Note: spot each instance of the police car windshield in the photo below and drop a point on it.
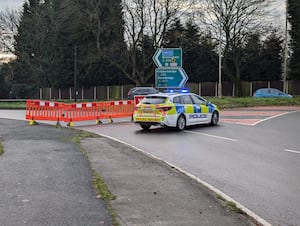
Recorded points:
(154, 100)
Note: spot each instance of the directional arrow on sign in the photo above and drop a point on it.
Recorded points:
(170, 77)
(168, 57)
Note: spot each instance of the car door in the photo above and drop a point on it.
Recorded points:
(187, 103)
(201, 110)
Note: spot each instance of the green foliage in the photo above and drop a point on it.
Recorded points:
(261, 60)
(294, 19)
(231, 102)
(49, 34)
(57, 39)
(4, 89)
(24, 91)
(199, 58)
(1, 147)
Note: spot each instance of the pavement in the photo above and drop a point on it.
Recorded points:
(46, 180)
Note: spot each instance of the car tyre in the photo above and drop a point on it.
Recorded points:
(181, 123)
(214, 118)
(145, 127)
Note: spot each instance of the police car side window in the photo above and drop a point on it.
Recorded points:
(197, 100)
(176, 100)
(186, 99)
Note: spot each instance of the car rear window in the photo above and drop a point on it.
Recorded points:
(154, 100)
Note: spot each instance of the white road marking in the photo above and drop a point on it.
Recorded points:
(274, 116)
(210, 135)
(215, 190)
(292, 151)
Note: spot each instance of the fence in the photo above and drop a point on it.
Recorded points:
(55, 111)
(203, 89)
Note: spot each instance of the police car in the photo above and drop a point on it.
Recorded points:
(175, 109)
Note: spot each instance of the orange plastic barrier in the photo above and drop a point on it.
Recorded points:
(46, 110)
(43, 110)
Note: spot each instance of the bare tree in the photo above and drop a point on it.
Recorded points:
(236, 19)
(146, 22)
(9, 20)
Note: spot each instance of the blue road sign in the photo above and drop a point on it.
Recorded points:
(168, 57)
(170, 77)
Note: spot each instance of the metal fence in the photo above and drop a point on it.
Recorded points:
(120, 92)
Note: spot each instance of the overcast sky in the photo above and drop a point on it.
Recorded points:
(278, 8)
(11, 4)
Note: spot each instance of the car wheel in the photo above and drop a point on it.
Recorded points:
(214, 118)
(181, 122)
(145, 127)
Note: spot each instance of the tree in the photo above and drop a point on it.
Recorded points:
(30, 44)
(262, 60)
(199, 58)
(96, 33)
(8, 28)
(4, 90)
(294, 19)
(250, 58)
(146, 22)
(236, 19)
(271, 58)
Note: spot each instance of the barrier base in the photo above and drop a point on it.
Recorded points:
(58, 124)
(32, 123)
(98, 122)
(71, 124)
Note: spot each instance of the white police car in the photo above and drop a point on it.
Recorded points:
(175, 109)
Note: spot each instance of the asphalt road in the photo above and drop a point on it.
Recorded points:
(256, 165)
(45, 179)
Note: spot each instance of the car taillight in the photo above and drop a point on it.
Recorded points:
(166, 108)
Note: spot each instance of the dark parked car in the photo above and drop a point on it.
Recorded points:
(141, 91)
(270, 92)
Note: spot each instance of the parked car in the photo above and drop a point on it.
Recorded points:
(175, 110)
(141, 91)
(270, 92)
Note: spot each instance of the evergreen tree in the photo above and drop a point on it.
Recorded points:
(4, 91)
(199, 58)
(294, 19)
(95, 29)
(250, 58)
(30, 44)
(261, 60)
(271, 59)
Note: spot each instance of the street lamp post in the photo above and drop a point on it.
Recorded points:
(285, 51)
(220, 54)
(75, 73)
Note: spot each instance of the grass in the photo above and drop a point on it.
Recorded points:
(100, 187)
(232, 102)
(13, 105)
(231, 206)
(1, 147)
(222, 103)
(104, 193)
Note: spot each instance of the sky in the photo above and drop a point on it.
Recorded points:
(278, 8)
(11, 4)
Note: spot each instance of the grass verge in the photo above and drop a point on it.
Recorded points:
(1, 147)
(232, 102)
(224, 102)
(100, 187)
(231, 206)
